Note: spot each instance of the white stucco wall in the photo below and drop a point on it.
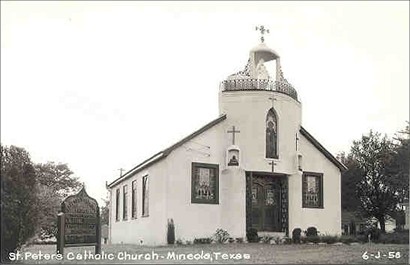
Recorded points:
(328, 219)
(150, 229)
(170, 178)
(247, 110)
(194, 220)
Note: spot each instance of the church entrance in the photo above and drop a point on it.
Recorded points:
(266, 207)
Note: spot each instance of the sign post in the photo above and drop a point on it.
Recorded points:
(79, 223)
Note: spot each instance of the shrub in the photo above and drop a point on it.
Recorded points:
(311, 231)
(239, 240)
(205, 240)
(348, 239)
(329, 239)
(394, 238)
(296, 234)
(266, 239)
(171, 232)
(179, 242)
(362, 238)
(221, 236)
(287, 240)
(313, 239)
(374, 233)
(252, 235)
(231, 240)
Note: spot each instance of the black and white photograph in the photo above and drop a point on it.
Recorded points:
(205, 132)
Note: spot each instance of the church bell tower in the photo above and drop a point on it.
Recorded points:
(265, 107)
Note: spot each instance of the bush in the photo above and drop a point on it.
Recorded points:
(239, 240)
(329, 239)
(348, 239)
(296, 235)
(374, 233)
(287, 240)
(221, 236)
(171, 232)
(231, 240)
(362, 238)
(313, 239)
(252, 235)
(266, 239)
(311, 231)
(179, 242)
(394, 238)
(205, 240)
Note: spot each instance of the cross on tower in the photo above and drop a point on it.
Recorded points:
(273, 165)
(263, 30)
(233, 134)
(121, 170)
(272, 99)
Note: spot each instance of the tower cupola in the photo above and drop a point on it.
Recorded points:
(257, 75)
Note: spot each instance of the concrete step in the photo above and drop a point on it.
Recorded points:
(271, 234)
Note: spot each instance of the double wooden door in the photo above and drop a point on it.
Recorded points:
(266, 203)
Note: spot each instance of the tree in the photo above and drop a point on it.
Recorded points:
(18, 199)
(105, 212)
(378, 197)
(58, 177)
(399, 167)
(55, 182)
(350, 180)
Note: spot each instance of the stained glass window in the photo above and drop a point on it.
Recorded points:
(204, 183)
(254, 195)
(312, 190)
(117, 205)
(271, 135)
(270, 197)
(134, 200)
(145, 196)
(125, 202)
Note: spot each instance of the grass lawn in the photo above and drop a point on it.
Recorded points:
(258, 253)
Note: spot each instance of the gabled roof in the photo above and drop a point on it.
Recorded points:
(160, 155)
(323, 150)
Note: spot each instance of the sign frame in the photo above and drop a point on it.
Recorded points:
(64, 216)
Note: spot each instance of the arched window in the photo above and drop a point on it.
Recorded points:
(271, 135)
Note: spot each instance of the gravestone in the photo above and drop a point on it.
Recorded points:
(79, 223)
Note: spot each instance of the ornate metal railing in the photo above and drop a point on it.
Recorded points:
(259, 84)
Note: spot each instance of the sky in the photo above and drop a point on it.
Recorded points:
(105, 85)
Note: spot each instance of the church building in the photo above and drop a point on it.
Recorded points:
(254, 166)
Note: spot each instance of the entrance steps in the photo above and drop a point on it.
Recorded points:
(271, 234)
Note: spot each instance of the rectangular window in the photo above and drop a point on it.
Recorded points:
(134, 200)
(312, 189)
(117, 205)
(205, 186)
(145, 196)
(125, 202)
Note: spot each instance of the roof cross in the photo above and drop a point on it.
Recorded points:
(263, 30)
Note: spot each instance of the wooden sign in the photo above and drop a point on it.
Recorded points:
(79, 223)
